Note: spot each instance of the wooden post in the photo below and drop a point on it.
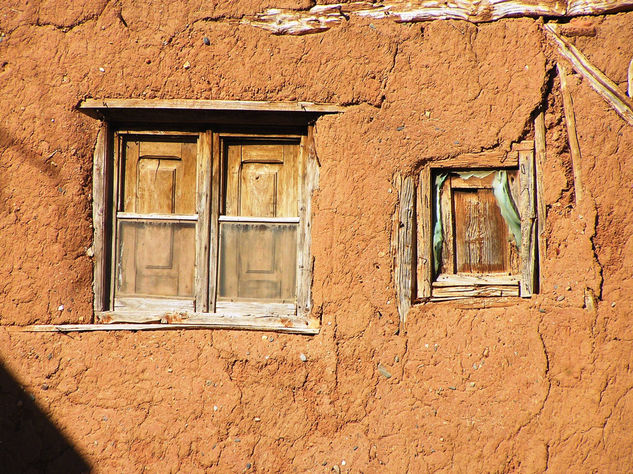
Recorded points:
(309, 163)
(202, 227)
(541, 210)
(404, 260)
(570, 121)
(528, 217)
(630, 82)
(100, 219)
(214, 215)
(424, 234)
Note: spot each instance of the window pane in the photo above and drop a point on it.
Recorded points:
(159, 175)
(155, 259)
(481, 234)
(257, 262)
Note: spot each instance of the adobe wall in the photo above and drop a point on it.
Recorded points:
(539, 384)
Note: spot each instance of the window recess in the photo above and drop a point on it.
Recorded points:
(468, 228)
(204, 225)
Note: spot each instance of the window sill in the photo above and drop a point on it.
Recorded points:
(143, 321)
(451, 287)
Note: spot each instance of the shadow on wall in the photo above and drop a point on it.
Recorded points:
(29, 441)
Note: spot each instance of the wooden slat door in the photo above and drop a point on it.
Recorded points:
(157, 256)
(258, 260)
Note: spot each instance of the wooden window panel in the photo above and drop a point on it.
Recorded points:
(468, 216)
(151, 214)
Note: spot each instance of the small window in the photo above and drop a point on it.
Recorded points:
(476, 226)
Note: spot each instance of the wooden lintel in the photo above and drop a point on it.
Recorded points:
(211, 105)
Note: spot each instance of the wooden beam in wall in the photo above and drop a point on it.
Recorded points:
(604, 86)
(404, 252)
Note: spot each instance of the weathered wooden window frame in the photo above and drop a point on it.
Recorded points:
(209, 313)
(465, 286)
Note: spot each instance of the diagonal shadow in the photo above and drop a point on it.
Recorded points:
(29, 441)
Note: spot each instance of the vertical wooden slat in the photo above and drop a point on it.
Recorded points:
(310, 167)
(115, 205)
(203, 208)
(404, 255)
(215, 190)
(424, 234)
(570, 121)
(541, 210)
(629, 91)
(447, 264)
(100, 185)
(527, 211)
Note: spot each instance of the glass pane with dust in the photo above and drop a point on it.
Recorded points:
(257, 262)
(155, 259)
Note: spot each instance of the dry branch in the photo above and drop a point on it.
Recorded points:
(597, 80)
(570, 122)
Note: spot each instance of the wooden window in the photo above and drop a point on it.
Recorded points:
(476, 226)
(208, 228)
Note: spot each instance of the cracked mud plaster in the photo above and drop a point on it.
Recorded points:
(535, 384)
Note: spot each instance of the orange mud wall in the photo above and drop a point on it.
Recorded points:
(540, 384)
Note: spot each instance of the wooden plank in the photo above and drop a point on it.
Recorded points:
(447, 264)
(136, 303)
(203, 209)
(527, 211)
(424, 234)
(481, 234)
(489, 159)
(604, 86)
(404, 255)
(541, 210)
(194, 104)
(196, 321)
(570, 121)
(133, 216)
(260, 220)
(216, 199)
(100, 186)
(595, 7)
(310, 165)
(457, 292)
(630, 79)
(446, 280)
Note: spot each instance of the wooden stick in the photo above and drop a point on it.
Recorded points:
(425, 233)
(630, 83)
(541, 210)
(597, 80)
(570, 121)
(404, 255)
(528, 225)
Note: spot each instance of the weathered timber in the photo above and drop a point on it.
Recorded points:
(404, 255)
(256, 308)
(468, 291)
(630, 79)
(604, 86)
(215, 189)
(488, 159)
(100, 220)
(310, 168)
(194, 321)
(446, 280)
(424, 233)
(572, 135)
(196, 104)
(527, 211)
(322, 17)
(203, 206)
(541, 210)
